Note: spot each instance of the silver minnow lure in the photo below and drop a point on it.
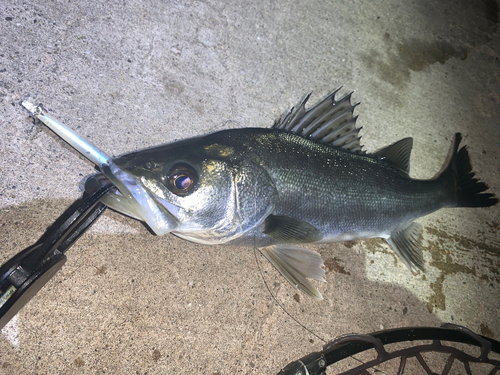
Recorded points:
(142, 202)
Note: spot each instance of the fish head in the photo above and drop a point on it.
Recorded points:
(214, 192)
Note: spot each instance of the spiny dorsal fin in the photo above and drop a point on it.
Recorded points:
(328, 121)
(398, 154)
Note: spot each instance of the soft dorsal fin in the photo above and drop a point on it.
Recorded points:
(398, 154)
(329, 121)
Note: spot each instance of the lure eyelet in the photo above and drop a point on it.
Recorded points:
(182, 179)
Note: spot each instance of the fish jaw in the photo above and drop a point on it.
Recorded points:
(135, 200)
(120, 203)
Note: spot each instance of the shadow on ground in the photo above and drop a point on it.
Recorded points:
(164, 305)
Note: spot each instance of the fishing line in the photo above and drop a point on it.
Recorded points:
(283, 307)
(255, 248)
(278, 303)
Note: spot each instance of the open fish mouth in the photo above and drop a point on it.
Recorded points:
(118, 202)
(158, 218)
(133, 199)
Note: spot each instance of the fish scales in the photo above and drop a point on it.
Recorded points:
(336, 191)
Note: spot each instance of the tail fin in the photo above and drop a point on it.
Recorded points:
(468, 190)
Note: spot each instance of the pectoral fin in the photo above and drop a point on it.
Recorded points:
(406, 243)
(287, 229)
(295, 264)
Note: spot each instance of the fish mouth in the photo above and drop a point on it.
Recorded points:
(174, 210)
(133, 199)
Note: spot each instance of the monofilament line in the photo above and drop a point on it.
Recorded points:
(278, 303)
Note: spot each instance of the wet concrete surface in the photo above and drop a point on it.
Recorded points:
(128, 75)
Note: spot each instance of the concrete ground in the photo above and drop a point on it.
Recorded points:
(132, 74)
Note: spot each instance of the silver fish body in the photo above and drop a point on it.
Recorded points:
(305, 180)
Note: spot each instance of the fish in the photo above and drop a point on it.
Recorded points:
(304, 180)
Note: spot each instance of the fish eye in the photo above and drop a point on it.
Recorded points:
(182, 179)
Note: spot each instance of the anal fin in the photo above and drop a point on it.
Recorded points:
(406, 243)
(297, 264)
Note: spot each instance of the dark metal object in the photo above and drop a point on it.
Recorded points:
(349, 345)
(26, 273)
